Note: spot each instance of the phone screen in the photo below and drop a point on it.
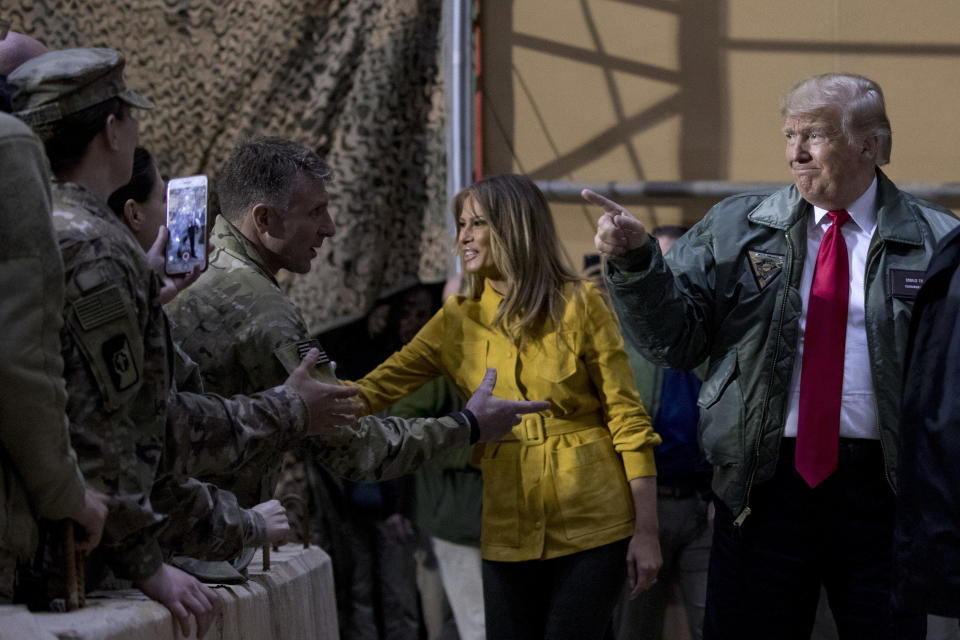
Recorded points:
(187, 223)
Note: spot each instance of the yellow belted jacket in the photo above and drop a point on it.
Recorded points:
(557, 484)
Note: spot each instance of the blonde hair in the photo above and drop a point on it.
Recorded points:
(859, 100)
(526, 251)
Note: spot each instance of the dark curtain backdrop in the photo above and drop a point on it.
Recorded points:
(359, 81)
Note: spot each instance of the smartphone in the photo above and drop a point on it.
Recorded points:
(187, 223)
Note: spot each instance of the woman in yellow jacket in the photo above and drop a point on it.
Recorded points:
(569, 494)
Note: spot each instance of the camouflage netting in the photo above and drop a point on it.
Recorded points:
(357, 80)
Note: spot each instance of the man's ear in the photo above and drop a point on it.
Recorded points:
(870, 147)
(263, 218)
(111, 131)
(132, 216)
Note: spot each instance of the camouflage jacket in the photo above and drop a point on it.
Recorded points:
(133, 432)
(234, 320)
(38, 469)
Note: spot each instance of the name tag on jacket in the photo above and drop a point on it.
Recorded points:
(905, 284)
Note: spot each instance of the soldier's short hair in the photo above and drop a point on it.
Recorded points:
(69, 137)
(262, 170)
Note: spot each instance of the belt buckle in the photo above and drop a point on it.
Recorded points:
(533, 429)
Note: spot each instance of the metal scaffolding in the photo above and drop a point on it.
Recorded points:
(946, 194)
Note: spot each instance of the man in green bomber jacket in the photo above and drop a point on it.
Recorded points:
(800, 301)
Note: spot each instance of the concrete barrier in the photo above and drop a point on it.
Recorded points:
(294, 600)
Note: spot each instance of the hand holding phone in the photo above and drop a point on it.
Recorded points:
(170, 285)
(187, 224)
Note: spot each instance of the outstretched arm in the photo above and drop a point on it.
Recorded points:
(208, 523)
(209, 434)
(495, 416)
(666, 311)
(383, 448)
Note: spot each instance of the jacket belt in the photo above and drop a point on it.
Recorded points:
(534, 428)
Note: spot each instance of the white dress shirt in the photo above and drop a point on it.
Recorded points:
(858, 409)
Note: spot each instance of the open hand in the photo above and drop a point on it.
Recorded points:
(330, 405)
(496, 415)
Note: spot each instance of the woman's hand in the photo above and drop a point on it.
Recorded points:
(643, 554)
(172, 285)
(643, 561)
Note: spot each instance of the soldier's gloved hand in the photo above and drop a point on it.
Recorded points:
(496, 415)
(278, 527)
(184, 596)
(172, 285)
(330, 405)
(91, 515)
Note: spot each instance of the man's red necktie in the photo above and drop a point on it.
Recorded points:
(821, 377)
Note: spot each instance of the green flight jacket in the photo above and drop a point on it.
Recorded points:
(730, 295)
(39, 476)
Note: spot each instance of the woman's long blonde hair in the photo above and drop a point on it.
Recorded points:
(526, 251)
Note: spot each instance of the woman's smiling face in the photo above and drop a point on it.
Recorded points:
(473, 241)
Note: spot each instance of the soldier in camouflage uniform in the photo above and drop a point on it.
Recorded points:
(139, 205)
(39, 476)
(237, 324)
(126, 426)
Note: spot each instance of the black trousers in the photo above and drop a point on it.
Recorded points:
(571, 597)
(765, 576)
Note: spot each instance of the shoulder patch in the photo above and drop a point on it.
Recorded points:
(292, 353)
(99, 308)
(765, 266)
(107, 335)
(120, 362)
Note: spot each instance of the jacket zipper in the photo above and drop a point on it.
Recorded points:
(871, 256)
(766, 401)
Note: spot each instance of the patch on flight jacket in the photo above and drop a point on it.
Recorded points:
(765, 266)
(904, 283)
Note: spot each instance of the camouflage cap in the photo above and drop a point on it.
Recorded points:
(59, 83)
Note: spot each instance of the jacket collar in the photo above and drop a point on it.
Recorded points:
(895, 219)
(228, 239)
(72, 194)
(946, 255)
